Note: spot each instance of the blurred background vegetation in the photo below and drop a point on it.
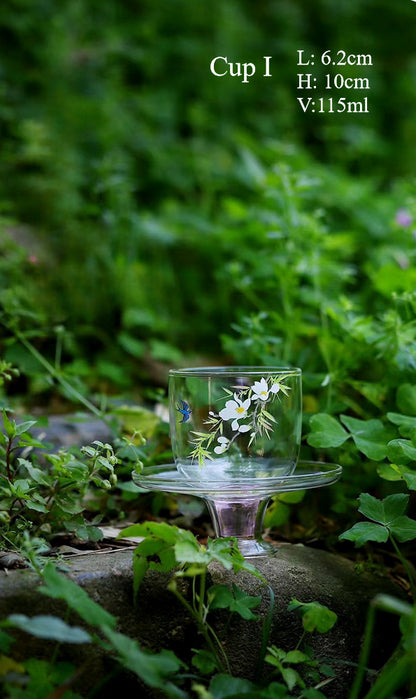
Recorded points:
(154, 215)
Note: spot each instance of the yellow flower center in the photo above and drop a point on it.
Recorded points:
(240, 410)
(263, 393)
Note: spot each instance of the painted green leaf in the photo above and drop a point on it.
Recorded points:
(370, 436)
(326, 432)
(403, 528)
(50, 627)
(383, 511)
(362, 532)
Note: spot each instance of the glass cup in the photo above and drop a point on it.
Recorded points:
(232, 423)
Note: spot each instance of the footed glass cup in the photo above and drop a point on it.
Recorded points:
(235, 423)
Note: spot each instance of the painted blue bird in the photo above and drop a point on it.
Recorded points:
(185, 411)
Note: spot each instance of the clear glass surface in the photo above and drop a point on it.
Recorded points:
(235, 422)
(237, 506)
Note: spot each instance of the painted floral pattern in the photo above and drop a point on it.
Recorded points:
(244, 412)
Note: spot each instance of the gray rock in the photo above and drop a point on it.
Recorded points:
(69, 431)
(159, 621)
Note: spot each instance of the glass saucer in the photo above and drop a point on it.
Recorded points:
(237, 506)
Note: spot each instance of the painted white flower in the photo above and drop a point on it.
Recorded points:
(223, 444)
(261, 389)
(235, 410)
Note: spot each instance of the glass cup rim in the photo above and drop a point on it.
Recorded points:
(210, 371)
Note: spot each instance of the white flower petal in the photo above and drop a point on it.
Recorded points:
(244, 428)
(275, 388)
(234, 425)
(260, 389)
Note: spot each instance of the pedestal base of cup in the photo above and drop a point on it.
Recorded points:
(256, 547)
(242, 519)
(237, 507)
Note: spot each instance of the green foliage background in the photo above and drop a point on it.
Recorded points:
(154, 213)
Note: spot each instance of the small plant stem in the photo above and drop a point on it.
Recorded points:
(206, 631)
(300, 640)
(56, 375)
(406, 567)
(201, 605)
(265, 635)
(8, 459)
(365, 652)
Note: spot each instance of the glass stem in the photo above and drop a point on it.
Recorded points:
(242, 519)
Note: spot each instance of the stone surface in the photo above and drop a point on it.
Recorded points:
(159, 621)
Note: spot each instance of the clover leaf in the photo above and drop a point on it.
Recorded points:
(388, 520)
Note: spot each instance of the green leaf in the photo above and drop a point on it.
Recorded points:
(24, 426)
(162, 530)
(204, 661)
(9, 425)
(140, 567)
(189, 551)
(401, 451)
(326, 432)
(315, 616)
(362, 532)
(277, 514)
(296, 656)
(60, 587)
(393, 472)
(50, 627)
(5, 642)
(383, 511)
(243, 603)
(223, 686)
(313, 693)
(292, 497)
(403, 528)
(406, 399)
(35, 473)
(236, 600)
(153, 668)
(291, 677)
(410, 479)
(370, 436)
(37, 506)
(69, 505)
(220, 597)
(390, 472)
(405, 423)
